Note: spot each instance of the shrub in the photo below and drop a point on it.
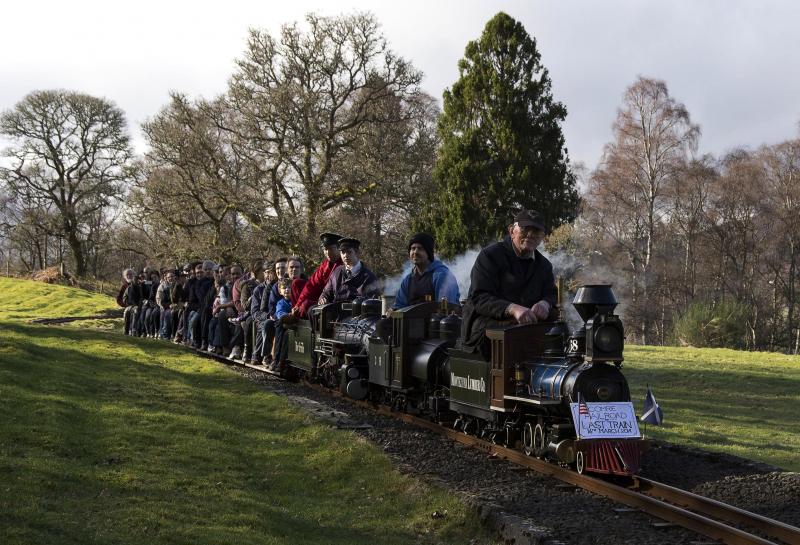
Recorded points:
(713, 325)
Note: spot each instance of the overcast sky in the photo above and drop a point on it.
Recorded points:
(734, 64)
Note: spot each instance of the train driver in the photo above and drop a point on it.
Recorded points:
(511, 280)
(429, 279)
(352, 280)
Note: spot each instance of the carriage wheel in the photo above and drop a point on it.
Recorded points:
(580, 463)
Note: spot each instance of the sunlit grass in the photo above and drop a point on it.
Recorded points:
(742, 403)
(111, 439)
(25, 299)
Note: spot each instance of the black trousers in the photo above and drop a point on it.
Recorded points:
(231, 333)
(247, 325)
(281, 342)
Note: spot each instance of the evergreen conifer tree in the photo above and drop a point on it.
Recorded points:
(502, 148)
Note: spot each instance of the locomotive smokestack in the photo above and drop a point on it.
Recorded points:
(591, 297)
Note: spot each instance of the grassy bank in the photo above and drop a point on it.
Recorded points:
(25, 300)
(109, 439)
(742, 403)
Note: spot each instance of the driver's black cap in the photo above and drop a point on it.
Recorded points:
(530, 218)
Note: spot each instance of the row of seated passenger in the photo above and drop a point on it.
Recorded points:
(244, 314)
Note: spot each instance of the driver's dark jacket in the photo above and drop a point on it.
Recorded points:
(499, 278)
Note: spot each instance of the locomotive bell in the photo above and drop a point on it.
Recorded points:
(371, 307)
(554, 341)
(588, 299)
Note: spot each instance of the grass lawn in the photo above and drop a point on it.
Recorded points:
(112, 439)
(742, 403)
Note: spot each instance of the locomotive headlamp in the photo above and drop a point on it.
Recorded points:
(608, 338)
(605, 338)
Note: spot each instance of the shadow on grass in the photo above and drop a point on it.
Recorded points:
(115, 439)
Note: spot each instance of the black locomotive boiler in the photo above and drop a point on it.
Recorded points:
(414, 361)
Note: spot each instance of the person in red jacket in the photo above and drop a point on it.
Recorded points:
(313, 288)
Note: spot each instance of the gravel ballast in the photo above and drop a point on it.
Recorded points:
(527, 507)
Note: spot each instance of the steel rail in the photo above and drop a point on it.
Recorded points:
(785, 532)
(696, 522)
(663, 501)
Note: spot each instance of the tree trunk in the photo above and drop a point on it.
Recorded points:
(77, 253)
(791, 291)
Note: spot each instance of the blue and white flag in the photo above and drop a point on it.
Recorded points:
(652, 413)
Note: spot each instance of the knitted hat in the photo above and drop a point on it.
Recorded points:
(425, 240)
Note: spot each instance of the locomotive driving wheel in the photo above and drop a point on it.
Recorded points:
(527, 439)
(539, 446)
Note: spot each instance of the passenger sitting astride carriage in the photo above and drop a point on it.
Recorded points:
(269, 301)
(429, 280)
(511, 279)
(313, 288)
(164, 302)
(351, 281)
(149, 309)
(296, 281)
(130, 297)
(247, 286)
(283, 311)
(263, 325)
(200, 304)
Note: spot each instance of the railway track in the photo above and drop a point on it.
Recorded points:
(705, 516)
(713, 519)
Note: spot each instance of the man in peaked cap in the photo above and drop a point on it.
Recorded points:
(353, 279)
(512, 280)
(313, 288)
(429, 280)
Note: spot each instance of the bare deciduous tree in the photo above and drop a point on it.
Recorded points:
(306, 98)
(653, 138)
(194, 182)
(781, 203)
(71, 150)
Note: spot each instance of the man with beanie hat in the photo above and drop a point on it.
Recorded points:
(429, 280)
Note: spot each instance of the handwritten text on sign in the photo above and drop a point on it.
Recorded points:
(605, 421)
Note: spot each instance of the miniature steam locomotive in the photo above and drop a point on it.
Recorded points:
(414, 361)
